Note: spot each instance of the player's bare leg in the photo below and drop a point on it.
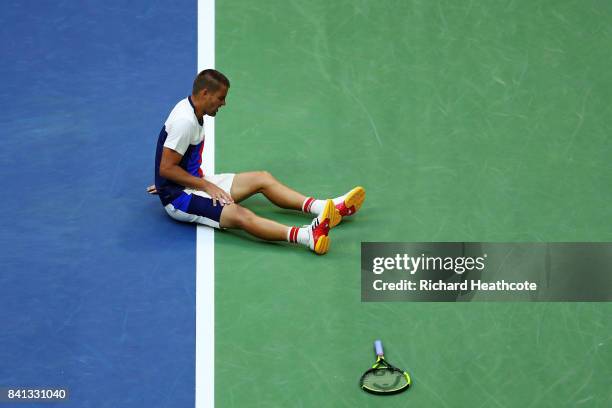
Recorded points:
(313, 236)
(247, 184)
(236, 216)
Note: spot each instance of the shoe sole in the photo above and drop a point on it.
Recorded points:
(354, 198)
(322, 245)
(330, 211)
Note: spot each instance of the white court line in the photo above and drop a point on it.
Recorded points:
(205, 239)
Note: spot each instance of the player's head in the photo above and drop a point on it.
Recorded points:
(210, 87)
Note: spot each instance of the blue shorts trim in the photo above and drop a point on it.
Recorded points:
(182, 202)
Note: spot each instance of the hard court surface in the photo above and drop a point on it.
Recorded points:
(464, 121)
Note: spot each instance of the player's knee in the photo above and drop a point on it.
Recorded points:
(243, 217)
(235, 216)
(266, 178)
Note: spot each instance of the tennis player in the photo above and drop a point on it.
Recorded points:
(190, 196)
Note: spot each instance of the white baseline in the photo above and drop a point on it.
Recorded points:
(205, 239)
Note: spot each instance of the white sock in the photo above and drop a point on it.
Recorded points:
(339, 200)
(299, 235)
(313, 206)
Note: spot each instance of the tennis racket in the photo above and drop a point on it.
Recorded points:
(384, 378)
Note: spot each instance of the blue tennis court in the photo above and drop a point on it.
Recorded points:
(464, 121)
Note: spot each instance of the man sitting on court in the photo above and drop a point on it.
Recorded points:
(189, 195)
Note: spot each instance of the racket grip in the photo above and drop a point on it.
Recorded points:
(378, 348)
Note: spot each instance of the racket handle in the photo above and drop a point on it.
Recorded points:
(378, 348)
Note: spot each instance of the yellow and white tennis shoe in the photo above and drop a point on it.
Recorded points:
(319, 228)
(348, 204)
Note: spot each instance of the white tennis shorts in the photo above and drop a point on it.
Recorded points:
(197, 206)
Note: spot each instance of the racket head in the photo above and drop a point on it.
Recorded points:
(384, 379)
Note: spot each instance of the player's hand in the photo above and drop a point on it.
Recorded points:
(151, 189)
(218, 195)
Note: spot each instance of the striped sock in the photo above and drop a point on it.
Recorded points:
(297, 235)
(312, 206)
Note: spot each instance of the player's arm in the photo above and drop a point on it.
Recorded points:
(169, 168)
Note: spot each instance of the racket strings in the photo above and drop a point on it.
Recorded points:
(384, 380)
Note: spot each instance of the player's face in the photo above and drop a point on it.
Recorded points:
(215, 100)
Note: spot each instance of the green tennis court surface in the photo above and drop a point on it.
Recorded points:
(464, 121)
